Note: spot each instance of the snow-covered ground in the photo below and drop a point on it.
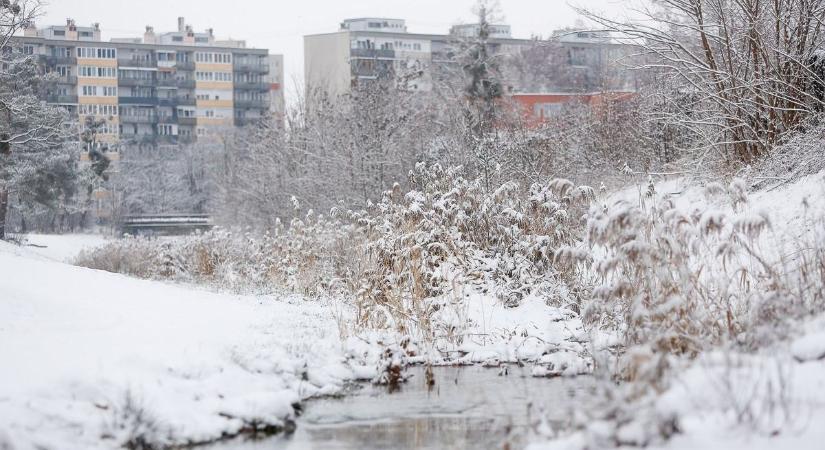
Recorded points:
(771, 399)
(92, 359)
(62, 247)
(84, 353)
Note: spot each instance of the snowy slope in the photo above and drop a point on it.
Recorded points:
(63, 247)
(81, 348)
(771, 399)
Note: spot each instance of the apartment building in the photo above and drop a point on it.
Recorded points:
(365, 49)
(161, 88)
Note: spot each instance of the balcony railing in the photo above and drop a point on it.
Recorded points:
(61, 60)
(251, 104)
(126, 81)
(142, 63)
(187, 121)
(251, 86)
(61, 99)
(185, 101)
(166, 82)
(251, 68)
(138, 100)
(372, 53)
(70, 79)
(150, 119)
(243, 121)
(186, 84)
(167, 119)
(185, 65)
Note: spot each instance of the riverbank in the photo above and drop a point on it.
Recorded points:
(98, 360)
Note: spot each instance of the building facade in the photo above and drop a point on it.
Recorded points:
(164, 88)
(365, 49)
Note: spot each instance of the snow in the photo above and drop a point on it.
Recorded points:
(769, 399)
(83, 350)
(810, 347)
(62, 247)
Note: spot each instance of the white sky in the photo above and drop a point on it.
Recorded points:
(280, 25)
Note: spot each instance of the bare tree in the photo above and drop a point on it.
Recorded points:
(746, 65)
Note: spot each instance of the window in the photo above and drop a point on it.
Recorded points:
(166, 130)
(109, 91)
(98, 110)
(97, 72)
(177, 38)
(545, 110)
(59, 32)
(96, 53)
(207, 57)
(88, 91)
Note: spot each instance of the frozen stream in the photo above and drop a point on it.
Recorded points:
(469, 407)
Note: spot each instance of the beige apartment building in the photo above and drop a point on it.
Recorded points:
(161, 88)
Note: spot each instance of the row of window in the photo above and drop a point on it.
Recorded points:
(244, 95)
(98, 91)
(106, 128)
(167, 130)
(397, 45)
(213, 76)
(97, 110)
(97, 53)
(207, 57)
(97, 72)
(208, 97)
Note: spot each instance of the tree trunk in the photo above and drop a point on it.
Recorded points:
(4, 206)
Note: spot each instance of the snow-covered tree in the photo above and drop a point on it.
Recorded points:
(35, 164)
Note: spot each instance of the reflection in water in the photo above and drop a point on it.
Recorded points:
(469, 407)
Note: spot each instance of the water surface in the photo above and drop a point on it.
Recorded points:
(469, 407)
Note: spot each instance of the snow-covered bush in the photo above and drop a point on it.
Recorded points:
(313, 256)
(680, 281)
(400, 261)
(449, 233)
(674, 284)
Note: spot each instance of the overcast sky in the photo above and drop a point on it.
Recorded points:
(279, 25)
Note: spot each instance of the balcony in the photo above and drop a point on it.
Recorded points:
(187, 121)
(167, 119)
(150, 119)
(166, 82)
(181, 101)
(244, 121)
(251, 86)
(141, 63)
(185, 65)
(138, 101)
(264, 104)
(70, 79)
(59, 99)
(61, 61)
(167, 101)
(251, 68)
(135, 82)
(186, 84)
(372, 53)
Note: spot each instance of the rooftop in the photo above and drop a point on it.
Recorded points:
(185, 35)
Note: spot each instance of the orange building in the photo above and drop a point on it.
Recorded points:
(537, 108)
